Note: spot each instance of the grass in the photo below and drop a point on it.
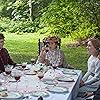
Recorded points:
(23, 47)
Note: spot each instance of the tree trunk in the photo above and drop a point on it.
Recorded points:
(31, 10)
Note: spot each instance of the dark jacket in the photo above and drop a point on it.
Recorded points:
(5, 59)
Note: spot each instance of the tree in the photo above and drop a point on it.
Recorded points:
(70, 17)
(91, 11)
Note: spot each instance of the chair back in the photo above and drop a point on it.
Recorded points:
(40, 45)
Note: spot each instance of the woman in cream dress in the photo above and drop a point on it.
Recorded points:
(91, 80)
(51, 54)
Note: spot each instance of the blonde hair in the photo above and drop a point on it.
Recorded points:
(56, 39)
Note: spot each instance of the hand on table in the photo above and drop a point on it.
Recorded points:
(82, 83)
(87, 94)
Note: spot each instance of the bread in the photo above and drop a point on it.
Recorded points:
(3, 94)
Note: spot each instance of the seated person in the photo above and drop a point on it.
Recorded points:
(4, 55)
(51, 54)
(97, 94)
(91, 80)
(91, 95)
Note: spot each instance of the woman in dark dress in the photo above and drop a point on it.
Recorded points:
(5, 58)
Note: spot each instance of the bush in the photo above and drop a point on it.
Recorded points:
(17, 26)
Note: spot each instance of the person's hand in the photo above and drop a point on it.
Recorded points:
(87, 94)
(82, 83)
(46, 62)
(45, 49)
(43, 52)
(70, 66)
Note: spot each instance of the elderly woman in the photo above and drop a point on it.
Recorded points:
(51, 54)
(91, 80)
(5, 59)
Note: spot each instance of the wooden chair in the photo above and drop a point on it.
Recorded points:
(40, 45)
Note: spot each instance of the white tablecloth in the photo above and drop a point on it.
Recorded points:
(29, 83)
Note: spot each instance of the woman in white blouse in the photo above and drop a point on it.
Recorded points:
(91, 80)
(52, 55)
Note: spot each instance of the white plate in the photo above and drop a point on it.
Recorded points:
(11, 95)
(12, 80)
(70, 72)
(57, 89)
(66, 79)
(49, 82)
(40, 93)
(20, 68)
(30, 73)
(2, 88)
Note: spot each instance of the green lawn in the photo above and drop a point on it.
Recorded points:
(24, 47)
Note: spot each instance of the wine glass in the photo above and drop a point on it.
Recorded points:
(54, 68)
(8, 70)
(32, 61)
(40, 76)
(17, 76)
(24, 64)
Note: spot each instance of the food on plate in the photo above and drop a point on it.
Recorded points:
(3, 94)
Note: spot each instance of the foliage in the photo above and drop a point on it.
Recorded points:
(91, 11)
(18, 26)
(79, 19)
(66, 17)
(19, 9)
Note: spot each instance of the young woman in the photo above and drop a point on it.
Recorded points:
(51, 54)
(91, 80)
(5, 59)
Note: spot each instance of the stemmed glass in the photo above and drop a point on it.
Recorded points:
(40, 76)
(17, 75)
(24, 64)
(7, 74)
(54, 68)
(32, 61)
(8, 70)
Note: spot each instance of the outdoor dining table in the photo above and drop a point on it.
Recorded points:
(29, 84)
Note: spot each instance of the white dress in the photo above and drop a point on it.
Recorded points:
(55, 57)
(92, 76)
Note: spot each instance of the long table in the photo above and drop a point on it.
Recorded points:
(29, 84)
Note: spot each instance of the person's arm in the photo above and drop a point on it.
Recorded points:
(42, 56)
(87, 94)
(2, 69)
(85, 77)
(63, 60)
(10, 61)
(97, 74)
